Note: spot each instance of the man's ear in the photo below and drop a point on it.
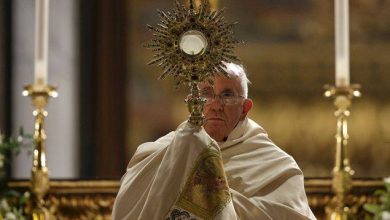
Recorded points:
(247, 106)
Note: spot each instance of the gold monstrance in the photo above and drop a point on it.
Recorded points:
(191, 44)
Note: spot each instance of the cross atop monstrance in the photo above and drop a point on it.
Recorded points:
(191, 44)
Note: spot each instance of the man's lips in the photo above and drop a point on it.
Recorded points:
(214, 119)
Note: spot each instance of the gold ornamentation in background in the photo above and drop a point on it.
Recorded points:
(94, 199)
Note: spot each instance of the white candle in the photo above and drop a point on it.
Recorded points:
(41, 41)
(342, 42)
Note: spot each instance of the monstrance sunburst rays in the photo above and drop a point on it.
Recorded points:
(191, 43)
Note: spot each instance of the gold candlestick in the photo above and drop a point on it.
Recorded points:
(40, 95)
(342, 171)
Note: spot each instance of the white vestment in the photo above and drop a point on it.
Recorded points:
(169, 178)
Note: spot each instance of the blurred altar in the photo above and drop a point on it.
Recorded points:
(110, 101)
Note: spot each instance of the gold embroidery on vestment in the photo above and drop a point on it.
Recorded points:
(206, 191)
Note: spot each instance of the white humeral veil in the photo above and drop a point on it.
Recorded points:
(183, 176)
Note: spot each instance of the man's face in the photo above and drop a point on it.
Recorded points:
(222, 118)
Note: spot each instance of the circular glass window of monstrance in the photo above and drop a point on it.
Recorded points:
(193, 43)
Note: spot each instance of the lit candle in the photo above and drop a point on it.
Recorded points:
(342, 42)
(41, 41)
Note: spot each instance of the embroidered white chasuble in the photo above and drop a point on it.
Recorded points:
(187, 175)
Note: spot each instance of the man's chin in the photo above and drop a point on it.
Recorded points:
(214, 127)
(214, 124)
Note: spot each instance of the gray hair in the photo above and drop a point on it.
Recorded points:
(238, 71)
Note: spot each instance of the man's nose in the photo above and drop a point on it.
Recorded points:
(216, 103)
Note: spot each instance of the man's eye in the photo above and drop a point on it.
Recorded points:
(227, 95)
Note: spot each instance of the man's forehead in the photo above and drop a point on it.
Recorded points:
(219, 79)
(228, 85)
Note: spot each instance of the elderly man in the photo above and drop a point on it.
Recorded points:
(228, 169)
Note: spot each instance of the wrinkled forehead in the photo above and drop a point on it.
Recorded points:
(223, 83)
